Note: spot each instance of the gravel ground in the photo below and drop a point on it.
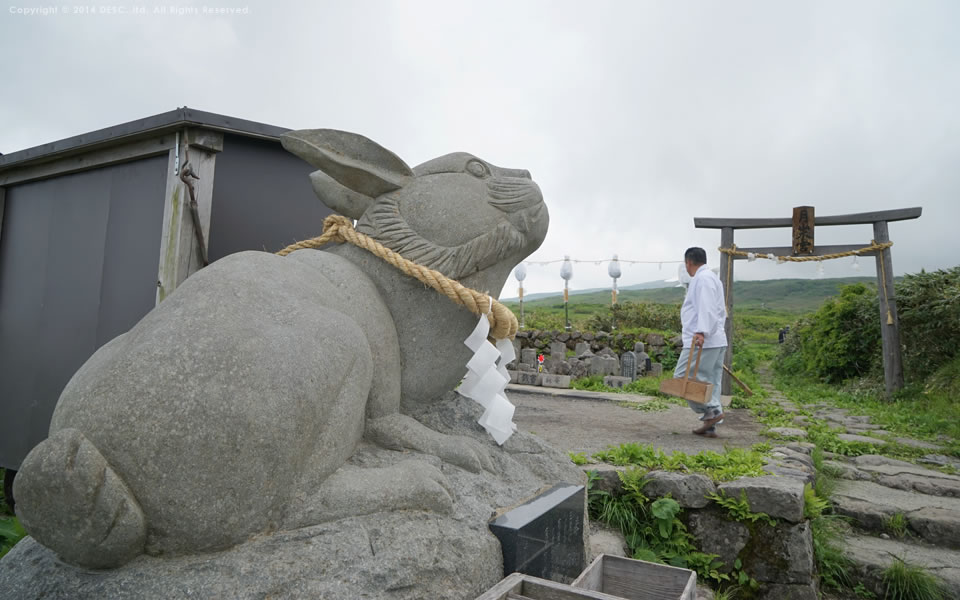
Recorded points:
(591, 422)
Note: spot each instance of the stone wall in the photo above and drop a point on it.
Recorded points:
(780, 556)
(576, 354)
(655, 344)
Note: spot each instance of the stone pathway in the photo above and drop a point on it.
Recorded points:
(874, 489)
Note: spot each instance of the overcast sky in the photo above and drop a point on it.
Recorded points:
(633, 116)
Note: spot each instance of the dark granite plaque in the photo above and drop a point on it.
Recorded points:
(628, 365)
(544, 536)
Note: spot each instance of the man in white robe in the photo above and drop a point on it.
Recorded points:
(703, 315)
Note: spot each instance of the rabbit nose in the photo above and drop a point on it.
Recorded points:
(521, 173)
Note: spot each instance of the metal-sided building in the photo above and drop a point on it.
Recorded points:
(96, 229)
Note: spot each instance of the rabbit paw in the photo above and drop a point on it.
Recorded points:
(464, 452)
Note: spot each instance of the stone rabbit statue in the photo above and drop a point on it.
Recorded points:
(231, 409)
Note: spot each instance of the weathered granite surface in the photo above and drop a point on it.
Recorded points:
(779, 497)
(690, 490)
(718, 535)
(871, 556)
(935, 519)
(782, 554)
(407, 554)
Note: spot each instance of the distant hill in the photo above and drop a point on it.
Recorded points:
(791, 295)
(637, 286)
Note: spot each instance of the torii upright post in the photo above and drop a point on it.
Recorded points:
(726, 276)
(889, 322)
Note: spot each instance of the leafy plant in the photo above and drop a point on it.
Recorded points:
(664, 512)
(654, 531)
(707, 567)
(738, 509)
(903, 581)
(813, 506)
(743, 579)
(578, 458)
(11, 532)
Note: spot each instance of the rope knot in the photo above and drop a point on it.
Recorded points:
(333, 228)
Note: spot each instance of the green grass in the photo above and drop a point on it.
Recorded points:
(903, 581)
(720, 466)
(896, 525)
(833, 565)
(914, 413)
(644, 386)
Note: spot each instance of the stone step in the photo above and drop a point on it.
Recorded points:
(871, 556)
(902, 475)
(935, 519)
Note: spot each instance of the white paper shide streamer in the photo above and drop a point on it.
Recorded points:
(486, 381)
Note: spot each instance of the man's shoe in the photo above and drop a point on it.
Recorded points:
(708, 423)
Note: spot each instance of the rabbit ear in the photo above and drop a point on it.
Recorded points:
(355, 162)
(340, 199)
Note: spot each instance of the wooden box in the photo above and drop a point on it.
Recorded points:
(526, 587)
(638, 580)
(688, 389)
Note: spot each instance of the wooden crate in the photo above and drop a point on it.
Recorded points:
(526, 587)
(637, 579)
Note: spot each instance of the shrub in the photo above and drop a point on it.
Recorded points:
(842, 339)
(929, 309)
(641, 315)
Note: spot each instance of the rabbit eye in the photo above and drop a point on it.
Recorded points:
(477, 169)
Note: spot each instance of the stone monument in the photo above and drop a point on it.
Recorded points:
(284, 426)
(628, 365)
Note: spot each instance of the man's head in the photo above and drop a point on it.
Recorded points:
(694, 258)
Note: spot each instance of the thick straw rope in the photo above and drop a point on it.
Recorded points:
(874, 246)
(339, 229)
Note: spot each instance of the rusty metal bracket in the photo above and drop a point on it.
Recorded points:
(185, 173)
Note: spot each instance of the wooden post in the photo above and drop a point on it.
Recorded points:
(889, 321)
(179, 249)
(726, 276)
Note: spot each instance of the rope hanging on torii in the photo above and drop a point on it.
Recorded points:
(751, 256)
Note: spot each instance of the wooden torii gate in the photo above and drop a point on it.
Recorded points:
(803, 249)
